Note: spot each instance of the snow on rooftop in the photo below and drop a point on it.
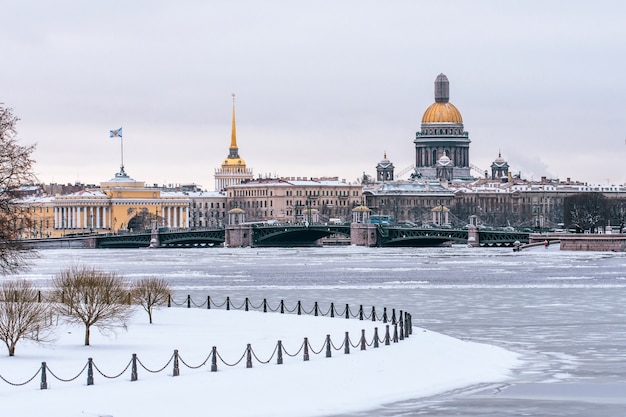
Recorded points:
(422, 365)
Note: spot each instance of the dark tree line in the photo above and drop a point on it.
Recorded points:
(591, 211)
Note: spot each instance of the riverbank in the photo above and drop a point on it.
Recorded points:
(425, 364)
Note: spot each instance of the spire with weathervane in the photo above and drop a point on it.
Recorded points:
(233, 170)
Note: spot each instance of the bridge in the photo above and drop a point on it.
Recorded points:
(399, 236)
(164, 238)
(288, 235)
(296, 234)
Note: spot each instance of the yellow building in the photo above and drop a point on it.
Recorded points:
(119, 205)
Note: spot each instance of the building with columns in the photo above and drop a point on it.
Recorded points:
(121, 204)
(233, 170)
(442, 134)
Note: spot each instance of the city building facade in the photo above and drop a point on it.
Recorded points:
(295, 199)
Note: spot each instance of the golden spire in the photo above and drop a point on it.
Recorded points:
(233, 135)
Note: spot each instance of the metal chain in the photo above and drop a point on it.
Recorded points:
(233, 364)
(319, 351)
(112, 377)
(357, 343)
(340, 346)
(157, 371)
(218, 305)
(295, 354)
(270, 358)
(292, 310)
(198, 305)
(195, 367)
(19, 384)
(67, 380)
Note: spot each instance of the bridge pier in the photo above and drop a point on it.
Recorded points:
(363, 234)
(238, 236)
(472, 236)
(154, 238)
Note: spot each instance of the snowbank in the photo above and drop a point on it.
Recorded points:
(427, 363)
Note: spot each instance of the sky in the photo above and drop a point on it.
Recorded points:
(425, 364)
(323, 88)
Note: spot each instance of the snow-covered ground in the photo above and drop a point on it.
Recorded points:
(427, 363)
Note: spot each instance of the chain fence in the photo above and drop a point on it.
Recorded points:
(397, 327)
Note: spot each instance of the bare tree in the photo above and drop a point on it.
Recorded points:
(22, 316)
(150, 292)
(92, 297)
(15, 170)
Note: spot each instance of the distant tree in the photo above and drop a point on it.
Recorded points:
(15, 171)
(21, 315)
(92, 297)
(149, 293)
(586, 211)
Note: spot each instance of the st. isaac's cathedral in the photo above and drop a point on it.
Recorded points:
(442, 145)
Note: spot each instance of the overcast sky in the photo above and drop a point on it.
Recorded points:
(324, 88)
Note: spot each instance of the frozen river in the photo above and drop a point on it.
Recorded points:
(565, 312)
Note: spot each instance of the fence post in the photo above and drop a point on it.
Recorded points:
(401, 323)
(227, 303)
(393, 316)
(347, 311)
(208, 302)
(346, 344)
(361, 312)
(39, 296)
(332, 309)
(176, 370)
(387, 335)
(249, 356)
(384, 314)
(406, 324)
(373, 313)
(306, 349)
(246, 309)
(265, 305)
(279, 355)
(363, 343)
(408, 327)
(395, 333)
(328, 351)
(44, 379)
(169, 300)
(133, 369)
(90, 371)
(214, 359)
(130, 299)
(375, 337)
(315, 309)
(299, 307)
(282, 306)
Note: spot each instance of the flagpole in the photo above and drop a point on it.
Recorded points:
(122, 154)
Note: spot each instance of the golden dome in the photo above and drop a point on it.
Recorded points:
(234, 162)
(442, 113)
